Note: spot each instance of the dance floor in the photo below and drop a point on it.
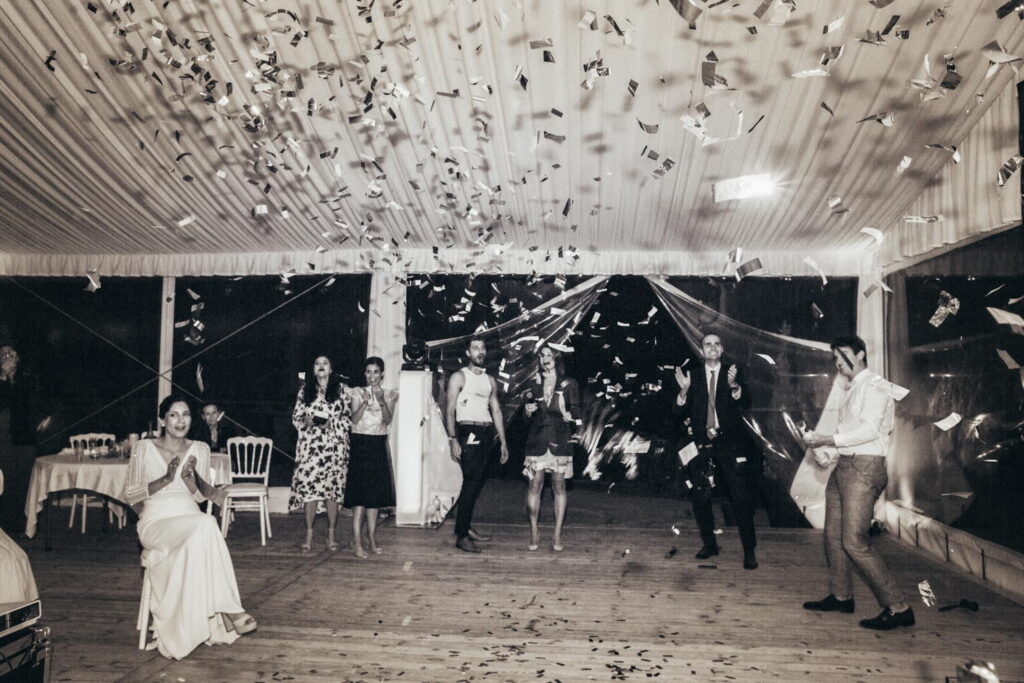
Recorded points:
(626, 600)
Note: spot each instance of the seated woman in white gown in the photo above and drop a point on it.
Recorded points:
(194, 596)
(18, 584)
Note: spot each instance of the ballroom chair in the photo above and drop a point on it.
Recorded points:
(211, 475)
(142, 622)
(250, 473)
(82, 498)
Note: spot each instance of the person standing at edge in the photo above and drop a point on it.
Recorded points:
(714, 403)
(473, 416)
(17, 437)
(861, 443)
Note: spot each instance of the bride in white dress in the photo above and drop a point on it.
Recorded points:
(194, 596)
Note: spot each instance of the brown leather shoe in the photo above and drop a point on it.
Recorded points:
(830, 604)
(888, 620)
(707, 550)
(467, 545)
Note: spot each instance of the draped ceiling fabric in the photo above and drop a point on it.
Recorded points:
(512, 344)
(788, 379)
(196, 137)
(966, 195)
(517, 261)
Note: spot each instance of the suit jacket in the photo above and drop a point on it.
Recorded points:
(729, 409)
(225, 430)
(547, 429)
(19, 397)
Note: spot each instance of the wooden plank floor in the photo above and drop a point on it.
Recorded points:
(425, 612)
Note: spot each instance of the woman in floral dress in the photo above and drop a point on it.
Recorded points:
(321, 416)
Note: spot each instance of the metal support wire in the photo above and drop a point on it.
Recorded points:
(168, 374)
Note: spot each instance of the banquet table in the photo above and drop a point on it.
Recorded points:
(105, 476)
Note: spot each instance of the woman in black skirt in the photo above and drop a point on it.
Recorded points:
(369, 485)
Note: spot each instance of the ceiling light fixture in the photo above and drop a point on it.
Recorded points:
(743, 187)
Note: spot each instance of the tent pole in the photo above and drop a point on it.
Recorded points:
(166, 337)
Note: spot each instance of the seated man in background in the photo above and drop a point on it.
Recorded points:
(214, 431)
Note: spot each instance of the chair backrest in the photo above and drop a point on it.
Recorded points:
(250, 457)
(99, 437)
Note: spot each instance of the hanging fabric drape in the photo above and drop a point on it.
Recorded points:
(788, 379)
(511, 344)
(964, 197)
(510, 357)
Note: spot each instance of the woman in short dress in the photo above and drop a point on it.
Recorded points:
(552, 411)
(194, 597)
(321, 417)
(370, 485)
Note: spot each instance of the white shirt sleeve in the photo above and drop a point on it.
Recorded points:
(136, 487)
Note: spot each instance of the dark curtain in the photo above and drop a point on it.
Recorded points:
(242, 342)
(66, 337)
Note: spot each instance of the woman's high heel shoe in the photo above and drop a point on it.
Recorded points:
(244, 624)
(331, 543)
(307, 545)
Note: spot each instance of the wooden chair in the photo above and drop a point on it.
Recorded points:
(83, 441)
(250, 473)
(142, 622)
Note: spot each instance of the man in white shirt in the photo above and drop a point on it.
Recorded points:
(858, 449)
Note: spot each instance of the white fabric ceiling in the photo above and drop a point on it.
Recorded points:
(155, 155)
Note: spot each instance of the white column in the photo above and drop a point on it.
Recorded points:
(871, 313)
(386, 328)
(385, 336)
(166, 338)
(413, 403)
(871, 328)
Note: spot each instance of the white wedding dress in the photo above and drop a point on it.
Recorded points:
(18, 585)
(190, 570)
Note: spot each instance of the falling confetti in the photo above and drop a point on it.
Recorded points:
(925, 589)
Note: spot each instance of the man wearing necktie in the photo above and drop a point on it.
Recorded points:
(713, 399)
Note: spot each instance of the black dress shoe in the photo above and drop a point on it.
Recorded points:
(478, 537)
(749, 559)
(467, 545)
(706, 551)
(831, 604)
(888, 620)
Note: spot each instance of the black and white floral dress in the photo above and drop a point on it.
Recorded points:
(321, 453)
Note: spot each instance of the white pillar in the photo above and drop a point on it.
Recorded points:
(166, 338)
(385, 333)
(413, 404)
(871, 313)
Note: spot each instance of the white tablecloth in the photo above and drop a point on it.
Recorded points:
(105, 476)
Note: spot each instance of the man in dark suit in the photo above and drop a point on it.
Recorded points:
(214, 430)
(713, 400)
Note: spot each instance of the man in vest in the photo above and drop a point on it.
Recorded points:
(473, 417)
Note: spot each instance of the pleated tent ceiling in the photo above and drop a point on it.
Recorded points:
(254, 126)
